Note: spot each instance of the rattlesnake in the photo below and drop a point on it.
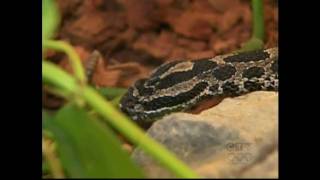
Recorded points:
(179, 85)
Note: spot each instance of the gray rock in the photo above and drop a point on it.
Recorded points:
(237, 138)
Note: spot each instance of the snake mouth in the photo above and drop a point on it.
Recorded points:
(128, 105)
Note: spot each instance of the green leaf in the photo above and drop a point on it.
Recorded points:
(50, 18)
(88, 148)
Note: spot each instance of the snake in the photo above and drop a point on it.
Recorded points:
(180, 85)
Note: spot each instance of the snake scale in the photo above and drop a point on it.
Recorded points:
(179, 85)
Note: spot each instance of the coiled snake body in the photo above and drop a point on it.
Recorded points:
(179, 85)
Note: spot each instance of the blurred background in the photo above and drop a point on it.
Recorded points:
(135, 36)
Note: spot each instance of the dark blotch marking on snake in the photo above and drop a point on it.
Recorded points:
(230, 89)
(199, 67)
(162, 69)
(224, 72)
(253, 72)
(252, 86)
(203, 65)
(154, 78)
(214, 88)
(143, 90)
(248, 56)
(169, 101)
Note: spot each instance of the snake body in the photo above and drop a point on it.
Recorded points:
(179, 85)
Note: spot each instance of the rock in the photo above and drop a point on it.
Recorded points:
(237, 138)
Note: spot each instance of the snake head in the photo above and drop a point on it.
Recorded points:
(132, 108)
(131, 105)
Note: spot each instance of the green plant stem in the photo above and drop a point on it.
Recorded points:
(74, 58)
(257, 38)
(57, 91)
(258, 20)
(51, 73)
(64, 81)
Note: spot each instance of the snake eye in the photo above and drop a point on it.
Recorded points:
(153, 81)
(128, 102)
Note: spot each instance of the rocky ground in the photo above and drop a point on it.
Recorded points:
(236, 139)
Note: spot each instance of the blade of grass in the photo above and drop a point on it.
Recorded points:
(74, 58)
(257, 38)
(258, 20)
(50, 18)
(117, 120)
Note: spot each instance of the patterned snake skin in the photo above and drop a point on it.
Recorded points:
(179, 85)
